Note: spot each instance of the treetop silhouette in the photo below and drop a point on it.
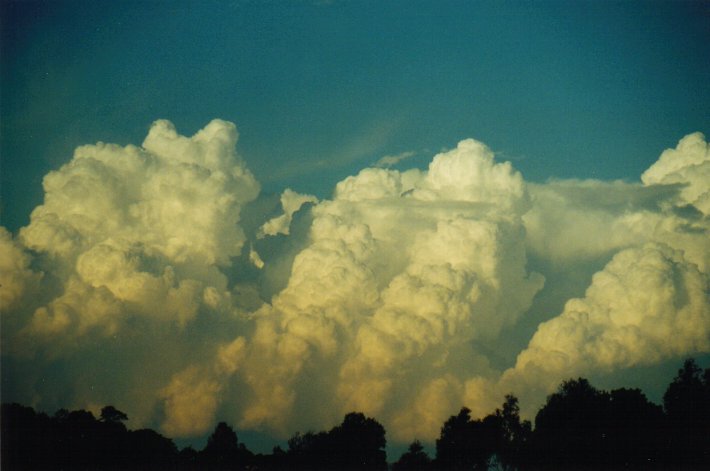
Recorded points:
(578, 427)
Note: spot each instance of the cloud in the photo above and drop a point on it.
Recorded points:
(142, 227)
(130, 243)
(650, 302)
(17, 278)
(391, 160)
(572, 220)
(190, 403)
(385, 298)
(367, 142)
(687, 164)
(401, 271)
(647, 305)
(290, 202)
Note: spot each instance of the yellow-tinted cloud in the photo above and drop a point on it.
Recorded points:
(390, 301)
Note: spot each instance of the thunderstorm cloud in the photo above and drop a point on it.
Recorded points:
(141, 282)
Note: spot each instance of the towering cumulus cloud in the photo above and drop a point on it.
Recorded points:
(129, 243)
(687, 165)
(128, 286)
(651, 301)
(141, 228)
(402, 272)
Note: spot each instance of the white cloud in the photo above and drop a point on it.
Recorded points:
(572, 220)
(133, 242)
(390, 300)
(401, 272)
(176, 197)
(687, 164)
(143, 228)
(17, 279)
(190, 403)
(290, 202)
(648, 304)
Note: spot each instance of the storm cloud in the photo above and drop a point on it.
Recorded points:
(391, 292)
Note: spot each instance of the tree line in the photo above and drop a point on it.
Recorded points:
(579, 427)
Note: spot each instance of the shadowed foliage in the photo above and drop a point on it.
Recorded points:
(415, 459)
(687, 406)
(356, 444)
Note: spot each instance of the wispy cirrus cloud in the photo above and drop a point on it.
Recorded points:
(388, 161)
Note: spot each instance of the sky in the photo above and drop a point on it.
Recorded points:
(274, 213)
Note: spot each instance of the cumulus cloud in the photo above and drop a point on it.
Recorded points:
(157, 189)
(143, 228)
(290, 202)
(689, 165)
(190, 403)
(17, 278)
(389, 294)
(650, 302)
(401, 272)
(572, 220)
(129, 242)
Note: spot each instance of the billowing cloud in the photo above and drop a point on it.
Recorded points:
(401, 272)
(572, 220)
(141, 229)
(688, 165)
(389, 295)
(650, 302)
(16, 276)
(290, 203)
(131, 246)
(176, 197)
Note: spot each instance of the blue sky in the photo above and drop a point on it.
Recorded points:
(181, 269)
(321, 89)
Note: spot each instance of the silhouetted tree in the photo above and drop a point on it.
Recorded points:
(78, 441)
(465, 444)
(569, 428)
(22, 438)
(414, 459)
(358, 443)
(579, 427)
(112, 445)
(512, 434)
(61, 414)
(223, 450)
(687, 406)
(188, 459)
(111, 414)
(634, 434)
(149, 450)
(308, 451)
(278, 460)
(84, 440)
